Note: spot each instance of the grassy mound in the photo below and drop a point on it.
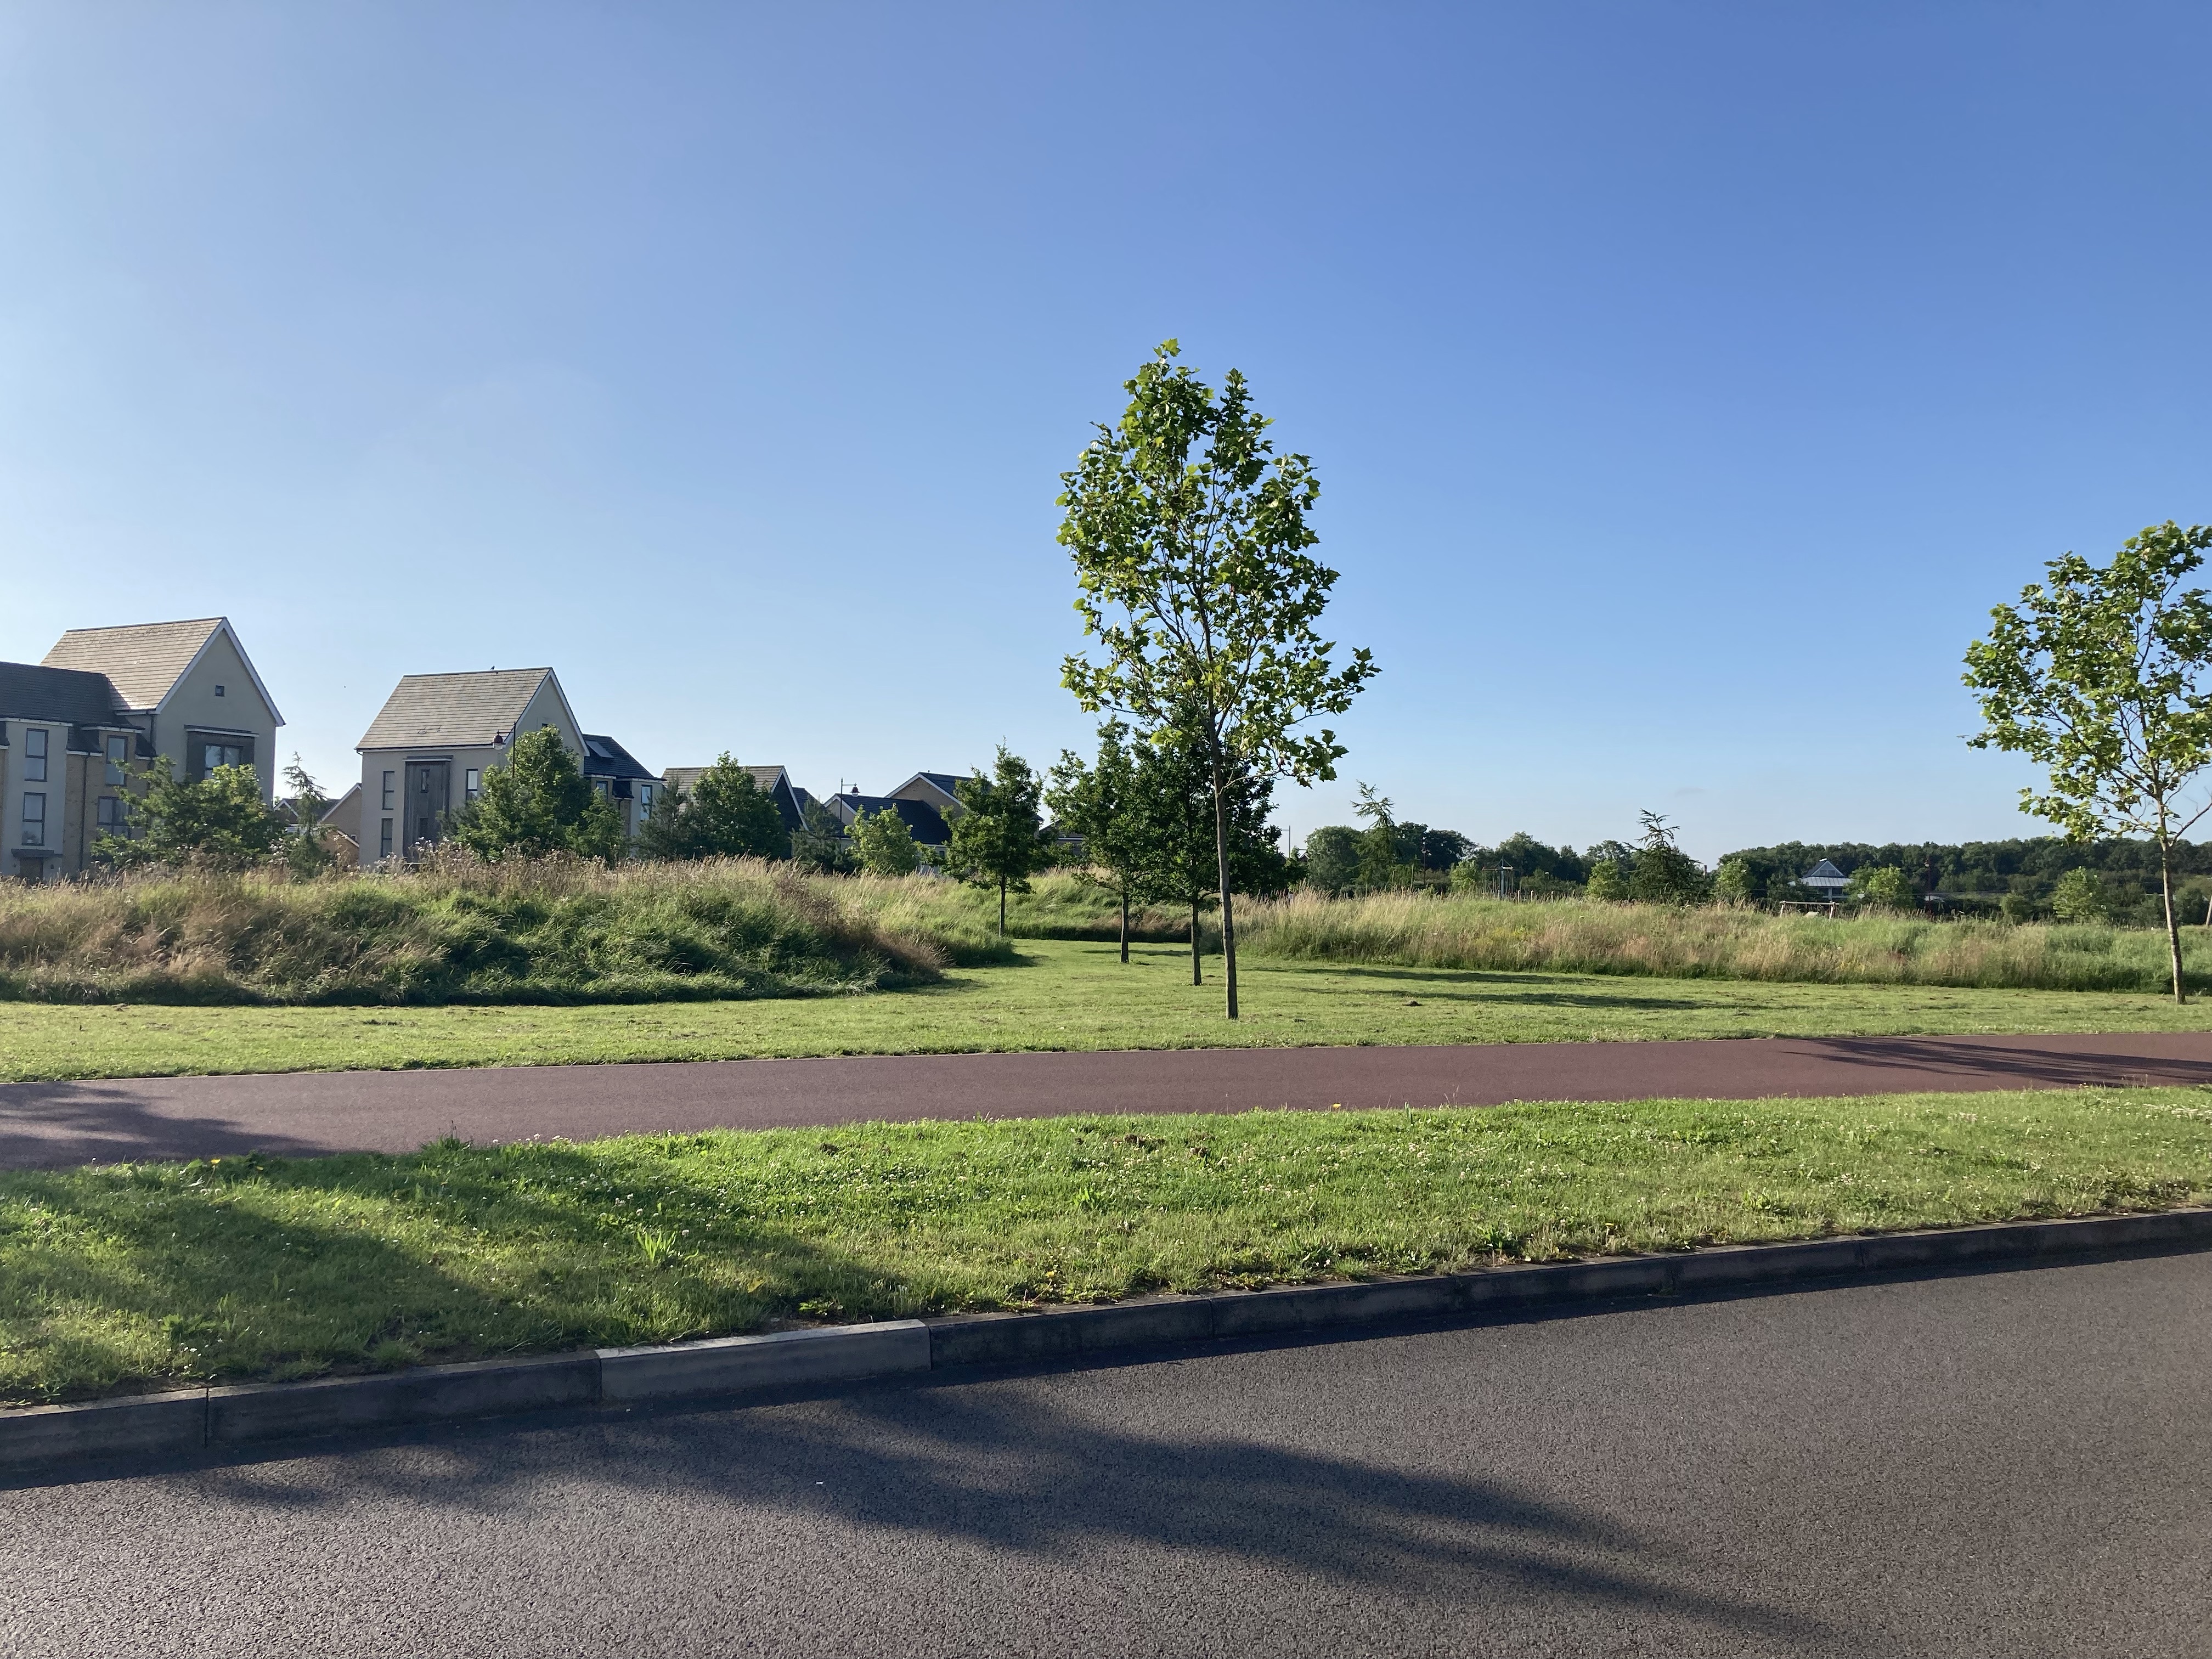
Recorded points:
(555, 931)
(1581, 936)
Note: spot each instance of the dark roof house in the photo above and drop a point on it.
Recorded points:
(939, 791)
(774, 781)
(923, 821)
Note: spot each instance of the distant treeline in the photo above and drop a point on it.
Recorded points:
(1983, 869)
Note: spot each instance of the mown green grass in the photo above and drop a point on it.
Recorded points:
(126, 1277)
(1059, 996)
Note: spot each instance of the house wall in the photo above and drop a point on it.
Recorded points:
(72, 787)
(193, 704)
(373, 813)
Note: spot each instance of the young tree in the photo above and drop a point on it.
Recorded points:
(1735, 883)
(1333, 858)
(1884, 887)
(219, 819)
(304, 851)
(1000, 840)
(1099, 803)
(2080, 896)
(1663, 872)
(538, 802)
(725, 814)
(1388, 850)
(884, 843)
(2097, 675)
(1177, 809)
(820, 841)
(1189, 539)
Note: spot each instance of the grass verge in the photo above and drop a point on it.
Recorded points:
(125, 1277)
(1056, 996)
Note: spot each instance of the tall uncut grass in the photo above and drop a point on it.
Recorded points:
(1585, 937)
(455, 930)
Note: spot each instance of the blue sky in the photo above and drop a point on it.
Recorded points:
(1685, 382)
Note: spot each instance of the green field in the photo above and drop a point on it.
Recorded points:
(123, 1277)
(1060, 994)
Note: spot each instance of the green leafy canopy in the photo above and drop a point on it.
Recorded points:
(2094, 675)
(1190, 537)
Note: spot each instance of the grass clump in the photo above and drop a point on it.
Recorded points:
(1718, 942)
(127, 1277)
(455, 930)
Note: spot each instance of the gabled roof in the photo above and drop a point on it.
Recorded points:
(145, 661)
(35, 692)
(774, 781)
(923, 821)
(606, 758)
(684, 777)
(350, 799)
(1824, 874)
(946, 784)
(456, 711)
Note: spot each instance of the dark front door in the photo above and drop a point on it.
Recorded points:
(427, 783)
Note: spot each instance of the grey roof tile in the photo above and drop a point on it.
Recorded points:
(143, 659)
(454, 711)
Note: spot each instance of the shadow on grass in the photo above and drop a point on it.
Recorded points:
(252, 1269)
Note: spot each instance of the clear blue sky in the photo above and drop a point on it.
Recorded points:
(1685, 381)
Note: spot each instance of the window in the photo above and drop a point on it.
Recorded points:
(205, 751)
(35, 820)
(34, 761)
(118, 755)
(391, 788)
(383, 837)
(471, 783)
(644, 798)
(218, 690)
(111, 813)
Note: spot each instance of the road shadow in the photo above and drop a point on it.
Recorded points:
(1010, 1468)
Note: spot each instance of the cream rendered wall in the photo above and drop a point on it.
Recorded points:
(545, 709)
(56, 788)
(192, 703)
(375, 763)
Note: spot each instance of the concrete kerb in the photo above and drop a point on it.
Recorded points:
(729, 1367)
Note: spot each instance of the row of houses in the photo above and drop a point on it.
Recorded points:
(106, 702)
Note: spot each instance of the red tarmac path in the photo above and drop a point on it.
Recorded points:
(302, 1114)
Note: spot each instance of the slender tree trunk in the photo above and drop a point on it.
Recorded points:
(1221, 862)
(1002, 907)
(1124, 927)
(2172, 931)
(1196, 977)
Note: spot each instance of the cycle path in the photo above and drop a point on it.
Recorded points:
(305, 1114)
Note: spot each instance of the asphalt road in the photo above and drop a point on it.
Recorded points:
(302, 1114)
(2008, 1464)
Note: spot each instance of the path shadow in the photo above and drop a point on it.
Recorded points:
(2041, 1066)
(48, 1126)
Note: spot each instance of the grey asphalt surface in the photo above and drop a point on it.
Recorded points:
(305, 1114)
(2014, 1463)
